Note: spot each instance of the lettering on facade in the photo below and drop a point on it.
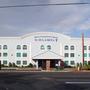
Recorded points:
(46, 38)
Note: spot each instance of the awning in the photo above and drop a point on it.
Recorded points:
(47, 55)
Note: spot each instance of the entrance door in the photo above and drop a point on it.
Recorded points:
(53, 63)
(42, 64)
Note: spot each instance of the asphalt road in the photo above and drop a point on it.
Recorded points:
(45, 81)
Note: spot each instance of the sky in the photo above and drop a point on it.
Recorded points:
(72, 20)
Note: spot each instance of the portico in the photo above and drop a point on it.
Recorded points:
(47, 60)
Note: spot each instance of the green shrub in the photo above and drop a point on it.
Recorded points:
(10, 64)
(30, 65)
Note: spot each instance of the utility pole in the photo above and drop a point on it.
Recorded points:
(83, 48)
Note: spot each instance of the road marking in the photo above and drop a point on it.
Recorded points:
(77, 82)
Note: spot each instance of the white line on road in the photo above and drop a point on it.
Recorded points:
(77, 82)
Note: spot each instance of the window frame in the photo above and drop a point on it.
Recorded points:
(24, 54)
(66, 55)
(5, 54)
(48, 47)
(5, 47)
(18, 47)
(66, 47)
(24, 47)
(18, 54)
(72, 47)
(72, 54)
(24, 62)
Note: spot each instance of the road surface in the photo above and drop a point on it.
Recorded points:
(44, 81)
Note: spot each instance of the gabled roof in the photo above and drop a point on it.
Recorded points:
(47, 55)
(45, 33)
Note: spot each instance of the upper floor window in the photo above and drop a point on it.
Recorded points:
(72, 47)
(66, 55)
(85, 54)
(0, 54)
(85, 47)
(72, 55)
(5, 54)
(18, 54)
(4, 46)
(0, 47)
(88, 47)
(24, 54)
(24, 47)
(42, 47)
(89, 54)
(49, 47)
(18, 47)
(66, 47)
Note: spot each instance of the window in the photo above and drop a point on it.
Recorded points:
(18, 47)
(89, 54)
(72, 63)
(4, 62)
(24, 62)
(18, 62)
(5, 54)
(49, 47)
(72, 47)
(72, 55)
(0, 54)
(66, 55)
(85, 47)
(66, 62)
(85, 62)
(0, 47)
(42, 47)
(18, 54)
(66, 47)
(4, 46)
(85, 54)
(88, 47)
(24, 47)
(24, 54)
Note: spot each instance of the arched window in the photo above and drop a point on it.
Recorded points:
(49, 47)
(24, 47)
(42, 47)
(72, 47)
(4, 46)
(66, 47)
(18, 47)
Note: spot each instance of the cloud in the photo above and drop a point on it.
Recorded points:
(85, 25)
(63, 19)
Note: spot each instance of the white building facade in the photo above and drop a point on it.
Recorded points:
(39, 47)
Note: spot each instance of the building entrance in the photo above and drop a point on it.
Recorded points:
(48, 64)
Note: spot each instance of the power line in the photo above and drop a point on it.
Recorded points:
(39, 5)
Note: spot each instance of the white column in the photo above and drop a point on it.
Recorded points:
(59, 63)
(37, 64)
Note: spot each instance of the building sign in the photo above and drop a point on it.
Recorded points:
(46, 38)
